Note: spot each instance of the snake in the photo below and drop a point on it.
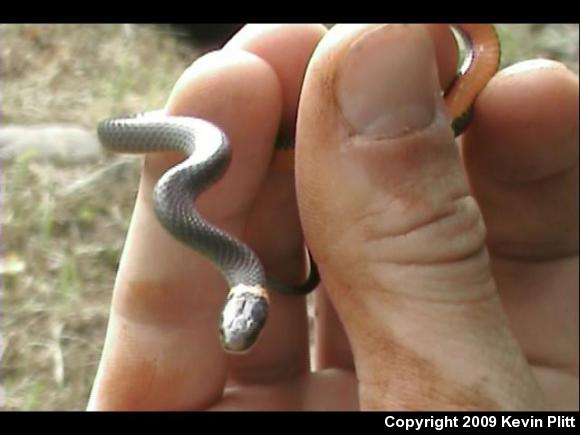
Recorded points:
(207, 153)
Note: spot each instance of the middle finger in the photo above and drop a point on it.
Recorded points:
(273, 228)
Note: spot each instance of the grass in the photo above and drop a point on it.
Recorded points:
(59, 230)
(80, 73)
(56, 309)
(63, 227)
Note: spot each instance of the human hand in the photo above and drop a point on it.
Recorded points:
(391, 223)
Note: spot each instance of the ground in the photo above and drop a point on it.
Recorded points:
(63, 226)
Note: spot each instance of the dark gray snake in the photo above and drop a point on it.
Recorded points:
(208, 151)
(208, 155)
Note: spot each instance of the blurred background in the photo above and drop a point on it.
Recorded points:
(62, 217)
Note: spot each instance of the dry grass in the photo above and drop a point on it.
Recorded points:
(63, 227)
(550, 41)
(81, 72)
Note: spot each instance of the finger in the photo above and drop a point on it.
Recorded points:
(399, 241)
(287, 48)
(162, 349)
(332, 347)
(521, 155)
(273, 228)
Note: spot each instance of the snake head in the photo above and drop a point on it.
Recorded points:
(243, 317)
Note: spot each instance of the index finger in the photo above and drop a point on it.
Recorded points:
(162, 350)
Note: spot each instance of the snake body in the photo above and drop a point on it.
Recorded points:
(208, 156)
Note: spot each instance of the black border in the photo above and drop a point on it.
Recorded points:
(290, 12)
(357, 423)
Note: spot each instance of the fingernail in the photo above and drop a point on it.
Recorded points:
(387, 83)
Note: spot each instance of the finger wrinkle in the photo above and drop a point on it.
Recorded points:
(406, 380)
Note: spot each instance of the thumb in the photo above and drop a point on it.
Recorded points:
(397, 236)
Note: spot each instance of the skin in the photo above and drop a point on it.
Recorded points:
(449, 268)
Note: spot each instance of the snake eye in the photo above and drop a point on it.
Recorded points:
(243, 318)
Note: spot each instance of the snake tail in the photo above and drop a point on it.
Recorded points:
(482, 59)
